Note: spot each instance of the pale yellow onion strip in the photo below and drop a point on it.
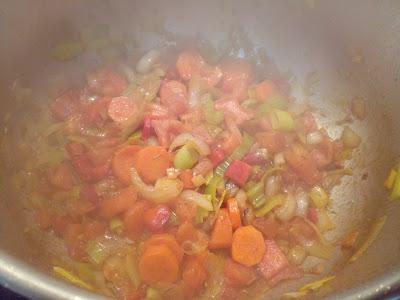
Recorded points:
(164, 190)
(197, 198)
(195, 141)
(147, 61)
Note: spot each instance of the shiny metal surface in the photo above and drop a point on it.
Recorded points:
(352, 46)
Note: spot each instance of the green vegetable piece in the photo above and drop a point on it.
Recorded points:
(239, 153)
(135, 137)
(211, 115)
(97, 252)
(186, 158)
(258, 201)
(270, 204)
(255, 190)
(153, 294)
(276, 101)
(319, 196)
(68, 276)
(67, 50)
(201, 215)
(281, 120)
(211, 188)
(395, 194)
(116, 226)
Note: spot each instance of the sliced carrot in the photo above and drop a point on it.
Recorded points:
(265, 89)
(234, 213)
(121, 108)
(158, 264)
(134, 219)
(186, 232)
(194, 274)
(118, 203)
(165, 239)
(221, 236)
(152, 163)
(186, 178)
(123, 161)
(248, 246)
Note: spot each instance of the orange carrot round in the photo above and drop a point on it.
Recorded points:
(158, 264)
(265, 89)
(123, 161)
(152, 162)
(118, 203)
(234, 213)
(167, 240)
(248, 246)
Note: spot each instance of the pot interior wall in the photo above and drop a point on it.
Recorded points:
(348, 49)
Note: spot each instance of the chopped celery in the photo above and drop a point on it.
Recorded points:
(68, 276)
(281, 120)
(201, 215)
(395, 194)
(270, 204)
(259, 200)
(211, 188)
(186, 158)
(67, 50)
(389, 182)
(153, 294)
(316, 284)
(198, 180)
(255, 190)
(116, 225)
(238, 154)
(132, 269)
(319, 196)
(96, 251)
(135, 137)
(211, 115)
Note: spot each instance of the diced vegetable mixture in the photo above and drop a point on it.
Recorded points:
(182, 179)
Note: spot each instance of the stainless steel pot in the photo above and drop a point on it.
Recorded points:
(352, 46)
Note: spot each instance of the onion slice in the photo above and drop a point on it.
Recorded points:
(182, 139)
(164, 190)
(197, 198)
(147, 61)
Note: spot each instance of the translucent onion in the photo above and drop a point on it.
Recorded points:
(287, 210)
(147, 61)
(350, 138)
(199, 199)
(279, 159)
(296, 255)
(241, 199)
(319, 196)
(303, 201)
(273, 185)
(194, 247)
(164, 190)
(196, 85)
(314, 138)
(195, 141)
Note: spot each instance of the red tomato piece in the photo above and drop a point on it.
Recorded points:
(107, 82)
(302, 164)
(147, 129)
(89, 193)
(62, 177)
(66, 105)
(268, 226)
(273, 141)
(121, 109)
(239, 172)
(217, 155)
(156, 218)
(236, 75)
(274, 260)
(173, 94)
(75, 149)
(237, 275)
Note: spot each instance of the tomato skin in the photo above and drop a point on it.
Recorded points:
(156, 218)
(65, 105)
(106, 82)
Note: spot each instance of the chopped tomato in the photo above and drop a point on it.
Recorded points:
(156, 218)
(217, 155)
(121, 109)
(173, 95)
(239, 172)
(66, 105)
(236, 76)
(237, 275)
(307, 122)
(107, 82)
(188, 64)
(268, 226)
(273, 141)
(302, 164)
(62, 176)
(134, 219)
(238, 113)
(274, 260)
